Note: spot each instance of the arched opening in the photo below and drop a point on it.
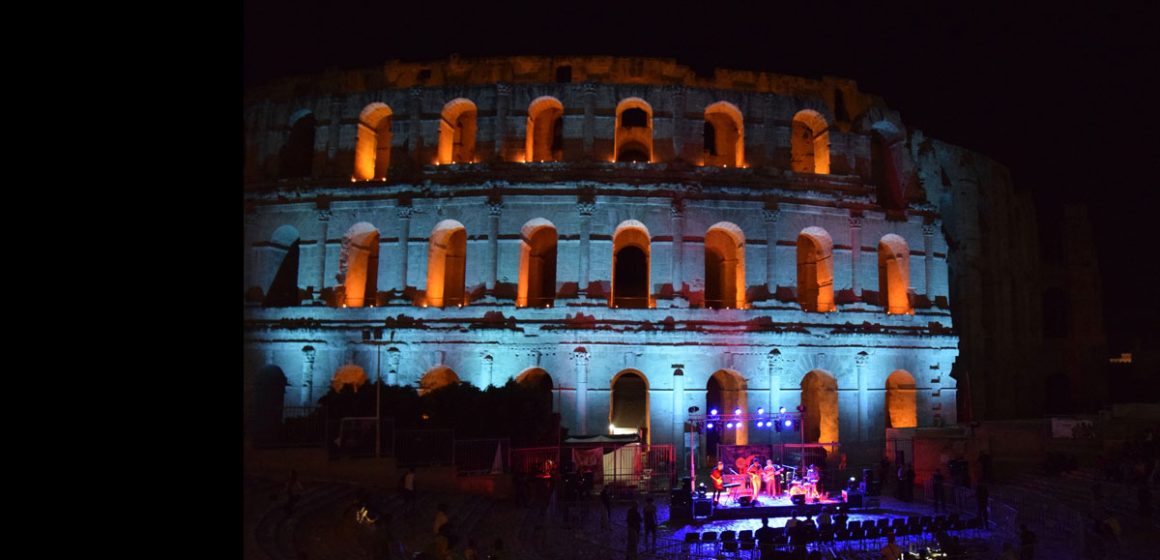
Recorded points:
(884, 172)
(630, 266)
(268, 399)
(724, 135)
(349, 374)
(437, 378)
(358, 265)
(372, 152)
(446, 260)
(820, 399)
(457, 132)
(537, 283)
(633, 136)
(894, 274)
(901, 410)
(298, 154)
(538, 380)
(545, 141)
(629, 406)
(283, 258)
(725, 267)
(815, 270)
(726, 392)
(810, 143)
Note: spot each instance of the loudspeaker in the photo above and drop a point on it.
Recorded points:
(854, 500)
(680, 498)
(702, 509)
(798, 499)
(874, 488)
(867, 476)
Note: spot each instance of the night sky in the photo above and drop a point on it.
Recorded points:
(1066, 99)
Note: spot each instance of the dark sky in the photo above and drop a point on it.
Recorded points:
(1067, 99)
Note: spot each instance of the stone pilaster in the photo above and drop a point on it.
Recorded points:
(855, 253)
(503, 101)
(585, 209)
(415, 129)
(306, 390)
(677, 216)
(773, 362)
(771, 219)
(678, 95)
(588, 96)
(393, 359)
(494, 210)
(928, 231)
(486, 370)
(680, 414)
(403, 213)
(863, 397)
(323, 234)
(580, 358)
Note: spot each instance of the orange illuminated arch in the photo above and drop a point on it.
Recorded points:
(725, 267)
(901, 410)
(348, 374)
(372, 152)
(537, 282)
(629, 404)
(437, 378)
(631, 275)
(894, 274)
(727, 391)
(457, 129)
(815, 270)
(358, 265)
(633, 137)
(810, 142)
(545, 140)
(724, 135)
(820, 399)
(446, 262)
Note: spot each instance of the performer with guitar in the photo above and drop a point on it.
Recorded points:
(718, 481)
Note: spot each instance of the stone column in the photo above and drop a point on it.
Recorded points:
(580, 359)
(771, 217)
(404, 215)
(677, 213)
(503, 101)
(486, 371)
(306, 391)
(679, 411)
(393, 356)
(323, 235)
(333, 165)
(588, 93)
(774, 361)
(770, 128)
(415, 134)
(494, 209)
(863, 396)
(249, 255)
(855, 253)
(585, 209)
(678, 96)
(928, 259)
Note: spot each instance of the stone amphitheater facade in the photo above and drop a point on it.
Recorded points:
(634, 236)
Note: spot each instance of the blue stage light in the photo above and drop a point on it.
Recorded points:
(760, 423)
(781, 410)
(709, 426)
(760, 410)
(737, 411)
(788, 423)
(729, 425)
(713, 412)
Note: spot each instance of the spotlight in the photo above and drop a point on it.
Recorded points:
(713, 412)
(788, 423)
(737, 411)
(760, 423)
(709, 426)
(729, 425)
(781, 410)
(760, 410)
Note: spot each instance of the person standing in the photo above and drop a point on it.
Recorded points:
(606, 511)
(754, 472)
(982, 496)
(718, 478)
(940, 502)
(632, 522)
(891, 551)
(409, 488)
(650, 520)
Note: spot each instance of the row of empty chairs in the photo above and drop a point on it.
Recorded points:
(862, 532)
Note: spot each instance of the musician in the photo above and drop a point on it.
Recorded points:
(770, 477)
(718, 481)
(754, 472)
(813, 475)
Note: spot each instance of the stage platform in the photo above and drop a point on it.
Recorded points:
(772, 508)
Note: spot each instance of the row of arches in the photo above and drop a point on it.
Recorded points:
(629, 411)
(631, 277)
(723, 137)
(724, 271)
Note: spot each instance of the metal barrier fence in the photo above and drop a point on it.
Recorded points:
(627, 469)
(482, 456)
(300, 426)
